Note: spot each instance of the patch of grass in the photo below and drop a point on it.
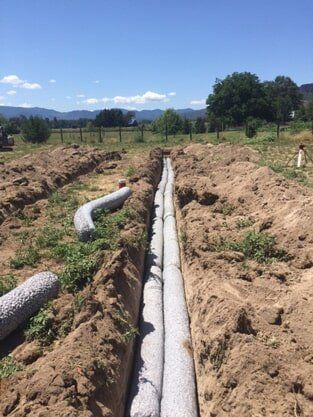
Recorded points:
(244, 223)
(130, 171)
(49, 237)
(259, 246)
(183, 238)
(227, 209)
(25, 257)
(8, 367)
(40, 327)
(27, 220)
(7, 283)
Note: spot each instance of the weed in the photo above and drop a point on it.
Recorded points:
(130, 171)
(259, 246)
(128, 331)
(49, 237)
(273, 342)
(8, 367)
(243, 223)
(227, 209)
(40, 326)
(25, 257)
(183, 238)
(7, 283)
(27, 220)
(78, 302)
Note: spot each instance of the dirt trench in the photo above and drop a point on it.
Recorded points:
(86, 373)
(32, 177)
(247, 251)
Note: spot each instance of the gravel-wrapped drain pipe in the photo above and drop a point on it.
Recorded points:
(146, 388)
(179, 389)
(19, 304)
(83, 222)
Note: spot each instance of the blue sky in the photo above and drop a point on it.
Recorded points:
(90, 54)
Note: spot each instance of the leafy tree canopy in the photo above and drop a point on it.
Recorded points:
(170, 121)
(35, 130)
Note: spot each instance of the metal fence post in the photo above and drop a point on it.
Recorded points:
(142, 132)
(100, 138)
(120, 132)
(61, 132)
(81, 134)
(190, 131)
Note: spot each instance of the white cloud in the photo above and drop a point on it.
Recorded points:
(139, 99)
(26, 105)
(31, 86)
(200, 102)
(68, 97)
(96, 81)
(91, 101)
(122, 100)
(80, 95)
(11, 92)
(52, 99)
(52, 81)
(18, 82)
(172, 94)
(11, 79)
(1, 97)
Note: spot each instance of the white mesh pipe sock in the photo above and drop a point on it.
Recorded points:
(83, 222)
(19, 304)
(146, 387)
(179, 390)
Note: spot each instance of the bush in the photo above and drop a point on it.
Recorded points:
(36, 130)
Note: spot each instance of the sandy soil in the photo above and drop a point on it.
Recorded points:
(32, 177)
(86, 373)
(251, 322)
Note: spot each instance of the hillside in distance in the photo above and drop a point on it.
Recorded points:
(307, 90)
(140, 115)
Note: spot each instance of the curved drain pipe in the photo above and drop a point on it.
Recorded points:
(164, 379)
(83, 222)
(146, 387)
(23, 301)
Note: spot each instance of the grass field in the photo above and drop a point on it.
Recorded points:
(274, 152)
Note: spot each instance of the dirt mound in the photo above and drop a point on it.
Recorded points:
(28, 179)
(247, 262)
(86, 373)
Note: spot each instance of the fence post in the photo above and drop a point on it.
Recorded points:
(142, 132)
(81, 134)
(61, 132)
(190, 131)
(120, 132)
(166, 132)
(100, 138)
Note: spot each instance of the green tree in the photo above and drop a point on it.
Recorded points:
(283, 97)
(186, 126)
(309, 113)
(35, 130)
(170, 121)
(111, 118)
(236, 99)
(200, 125)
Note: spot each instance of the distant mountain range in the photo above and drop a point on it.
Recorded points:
(140, 115)
(307, 90)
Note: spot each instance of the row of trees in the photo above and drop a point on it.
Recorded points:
(172, 123)
(242, 99)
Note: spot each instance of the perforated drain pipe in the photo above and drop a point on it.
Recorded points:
(164, 378)
(146, 387)
(19, 304)
(179, 389)
(83, 222)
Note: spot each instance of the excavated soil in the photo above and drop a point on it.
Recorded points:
(251, 321)
(86, 373)
(32, 177)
